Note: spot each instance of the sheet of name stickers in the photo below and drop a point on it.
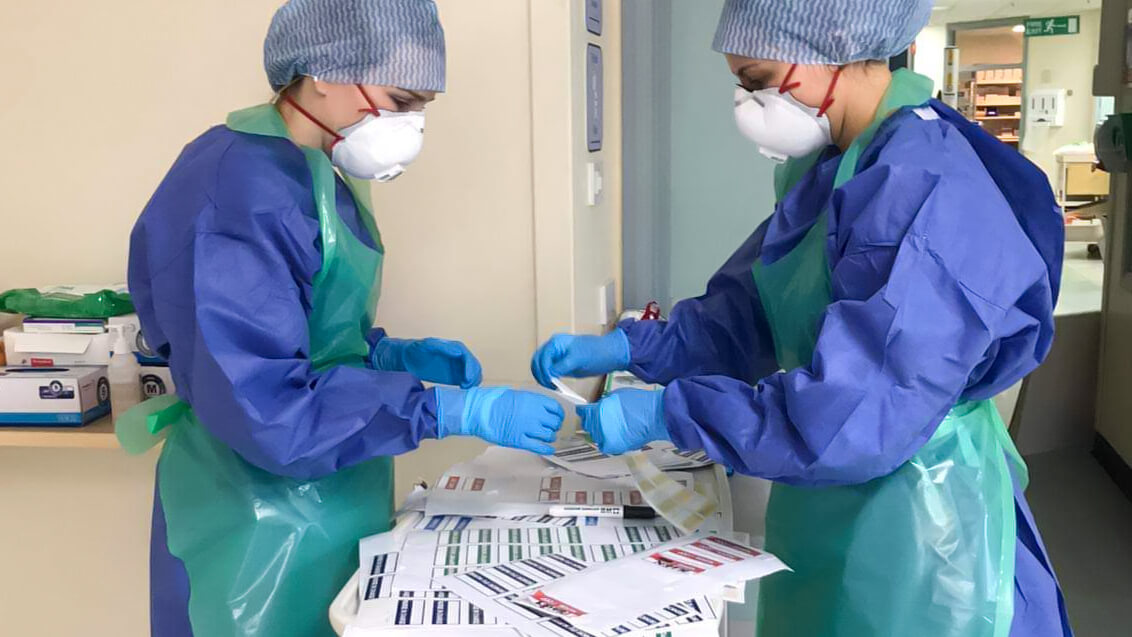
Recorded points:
(504, 590)
(460, 522)
(583, 457)
(400, 584)
(598, 597)
(491, 485)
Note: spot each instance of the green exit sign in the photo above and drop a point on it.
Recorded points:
(1064, 25)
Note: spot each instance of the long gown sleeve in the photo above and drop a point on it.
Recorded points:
(722, 332)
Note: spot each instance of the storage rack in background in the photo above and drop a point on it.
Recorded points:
(993, 99)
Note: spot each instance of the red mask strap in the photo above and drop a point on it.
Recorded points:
(312, 118)
(786, 84)
(372, 110)
(828, 101)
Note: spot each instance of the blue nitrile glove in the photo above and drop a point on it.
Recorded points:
(625, 420)
(580, 356)
(430, 359)
(502, 416)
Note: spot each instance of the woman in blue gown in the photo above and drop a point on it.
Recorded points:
(256, 269)
(850, 348)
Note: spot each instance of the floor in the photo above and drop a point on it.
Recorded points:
(1082, 281)
(1087, 525)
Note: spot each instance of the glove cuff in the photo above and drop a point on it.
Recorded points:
(461, 411)
(450, 403)
(388, 355)
(619, 349)
(658, 428)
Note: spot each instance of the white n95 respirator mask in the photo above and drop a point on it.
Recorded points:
(782, 126)
(380, 146)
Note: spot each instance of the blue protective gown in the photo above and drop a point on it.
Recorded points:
(898, 347)
(221, 266)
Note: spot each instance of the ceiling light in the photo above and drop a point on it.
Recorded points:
(1019, 28)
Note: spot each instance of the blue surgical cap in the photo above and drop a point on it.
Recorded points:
(385, 42)
(820, 31)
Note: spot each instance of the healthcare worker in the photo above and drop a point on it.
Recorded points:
(849, 350)
(255, 269)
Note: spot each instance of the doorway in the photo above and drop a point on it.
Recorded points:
(991, 77)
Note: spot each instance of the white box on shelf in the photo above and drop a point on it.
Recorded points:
(25, 349)
(53, 396)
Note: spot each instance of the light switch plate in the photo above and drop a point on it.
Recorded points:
(595, 183)
(607, 303)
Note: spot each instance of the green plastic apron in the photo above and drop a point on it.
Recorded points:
(267, 554)
(927, 551)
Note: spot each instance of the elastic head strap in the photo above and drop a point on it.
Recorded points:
(372, 110)
(312, 118)
(786, 84)
(828, 101)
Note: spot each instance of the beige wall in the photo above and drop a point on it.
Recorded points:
(570, 272)
(1064, 61)
(989, 46)
(489, 238)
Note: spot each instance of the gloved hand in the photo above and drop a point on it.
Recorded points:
(502, 416)
(430, 359)
(580, 356)
(625, 420)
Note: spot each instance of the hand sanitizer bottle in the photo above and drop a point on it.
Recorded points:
(125, 375)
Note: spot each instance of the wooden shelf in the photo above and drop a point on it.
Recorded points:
(1008, 139)
(97, 435)
(1014, 102)
(998, 82)
(997, 117)
(988, 67)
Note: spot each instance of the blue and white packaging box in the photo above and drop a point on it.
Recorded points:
(156, 381)
(53, 396)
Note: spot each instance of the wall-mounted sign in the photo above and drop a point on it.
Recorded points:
(595, 98)
(1063, 25)
(593, 16)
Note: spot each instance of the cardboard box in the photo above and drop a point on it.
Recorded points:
(53, 397)
(56, 350)
(980, 76)
(146, 355)
(10, 320)
(156, 381)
